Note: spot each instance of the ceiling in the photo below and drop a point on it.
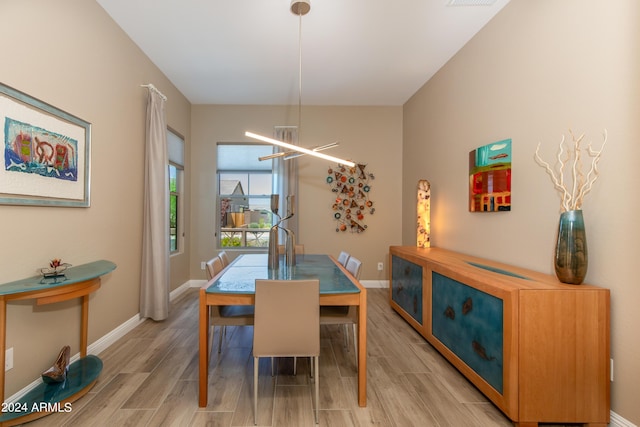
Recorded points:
(354, 52)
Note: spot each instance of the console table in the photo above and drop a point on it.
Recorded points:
(77, 282)
(537, 348)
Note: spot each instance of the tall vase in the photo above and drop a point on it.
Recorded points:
(571, 259)
(273, 257)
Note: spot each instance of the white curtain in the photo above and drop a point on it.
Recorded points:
(286, 176)
(154, 280)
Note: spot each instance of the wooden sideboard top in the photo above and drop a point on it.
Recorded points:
(472, 267)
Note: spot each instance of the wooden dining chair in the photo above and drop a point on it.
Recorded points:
(344, 314)
(343, 258)
(225, 315)
(287, 324)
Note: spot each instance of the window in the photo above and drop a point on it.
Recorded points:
(245, 185)
(174, 202)
(175, 146)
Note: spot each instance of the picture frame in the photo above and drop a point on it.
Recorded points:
(490, 177)
(46, 156)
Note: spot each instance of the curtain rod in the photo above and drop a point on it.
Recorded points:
(155, 89)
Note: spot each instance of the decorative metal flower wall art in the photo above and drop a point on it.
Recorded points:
(351, 186)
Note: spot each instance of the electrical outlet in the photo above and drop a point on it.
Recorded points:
(203, 265)
(380, 266)
(8, 359)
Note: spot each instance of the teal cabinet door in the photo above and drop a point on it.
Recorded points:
(406, 286)
(470, 323)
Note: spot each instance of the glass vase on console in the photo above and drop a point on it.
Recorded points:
(571, 257)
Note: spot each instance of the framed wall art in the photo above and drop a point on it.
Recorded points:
(46, 156)
(490, 177)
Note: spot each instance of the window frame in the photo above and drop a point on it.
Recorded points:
(179, 234)
(175, 148)
(265, 215)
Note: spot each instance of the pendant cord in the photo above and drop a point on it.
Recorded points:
(299, 74)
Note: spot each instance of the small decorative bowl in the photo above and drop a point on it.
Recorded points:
(54, 271)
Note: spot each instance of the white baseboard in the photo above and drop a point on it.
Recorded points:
(618, 421)
(107, 340)
(196, 283)
(375, 283)
(184, 287)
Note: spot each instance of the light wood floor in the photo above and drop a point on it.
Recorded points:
(150, 378)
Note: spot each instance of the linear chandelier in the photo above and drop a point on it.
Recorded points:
(293, 154)
(300, 8)
(299, 149)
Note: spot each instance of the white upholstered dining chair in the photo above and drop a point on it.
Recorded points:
(225, 315)
(343, 258)
(214, 266)
(345, 315)
(224, 257)
(299, 249)
(354, 266)
(287, 324)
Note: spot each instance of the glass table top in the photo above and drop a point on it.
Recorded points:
(240, 276)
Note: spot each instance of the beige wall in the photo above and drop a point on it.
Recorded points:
(366, 135)
(70, 54)
(536, 70)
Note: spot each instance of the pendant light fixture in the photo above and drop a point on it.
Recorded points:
(299, 8)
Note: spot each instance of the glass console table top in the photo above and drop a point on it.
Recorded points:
(71, 275)
(497, 270)
(45, 397)
(240, 276)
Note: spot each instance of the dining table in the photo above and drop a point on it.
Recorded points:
(235, 285)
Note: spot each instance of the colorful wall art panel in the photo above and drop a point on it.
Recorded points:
(490, 177)
(352, 203)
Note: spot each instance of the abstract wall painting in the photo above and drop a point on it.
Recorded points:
(490, 177)
(46, 154)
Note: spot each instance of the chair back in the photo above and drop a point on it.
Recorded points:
(214, 266)
(343, 258)
(287, 318)
(224, 257)
(299, 249)
(354, 265)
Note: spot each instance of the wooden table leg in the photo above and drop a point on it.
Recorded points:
(362, 349)
(84, 326)
(203, 349)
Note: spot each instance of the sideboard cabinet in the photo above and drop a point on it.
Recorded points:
(537, 348)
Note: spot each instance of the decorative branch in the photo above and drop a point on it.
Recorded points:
(581, 185)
